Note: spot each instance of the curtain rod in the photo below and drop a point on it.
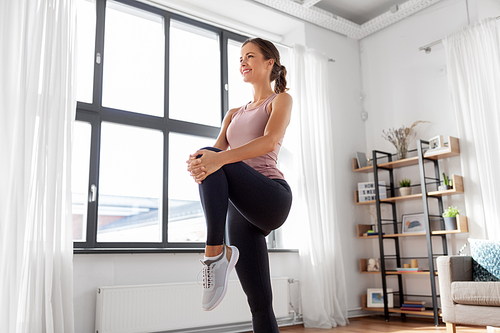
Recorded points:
(428, 48)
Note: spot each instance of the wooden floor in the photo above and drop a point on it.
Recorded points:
(378, 324)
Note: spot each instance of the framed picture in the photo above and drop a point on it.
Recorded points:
(414, 223)
(362, 160)
(436, 142)
(375, 298)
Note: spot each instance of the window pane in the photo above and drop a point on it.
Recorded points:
(85, 46)
(240, 93)
(134, 59)
(194, 75)
(186, 221)
(130, 184)
(80, 163)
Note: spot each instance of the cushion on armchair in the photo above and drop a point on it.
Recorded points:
(476, 293)
(485, 259)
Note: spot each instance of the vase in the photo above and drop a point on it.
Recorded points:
(405, 191)
(450, 223)
(402, 152)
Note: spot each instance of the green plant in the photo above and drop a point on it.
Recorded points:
(447, 180)
(451, 212)
(405, 182)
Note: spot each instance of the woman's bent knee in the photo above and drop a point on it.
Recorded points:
(212, 149)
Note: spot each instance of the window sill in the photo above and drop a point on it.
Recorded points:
(157, 250)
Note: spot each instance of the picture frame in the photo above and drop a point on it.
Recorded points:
(375, 298)
(413, 223)
(362, 160)
(436, 142)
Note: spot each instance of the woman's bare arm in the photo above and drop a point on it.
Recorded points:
(209, 162)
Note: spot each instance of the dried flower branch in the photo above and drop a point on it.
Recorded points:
(401, 137)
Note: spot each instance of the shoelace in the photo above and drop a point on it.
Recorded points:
(207, 275)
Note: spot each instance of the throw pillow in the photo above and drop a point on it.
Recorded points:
(485, 259)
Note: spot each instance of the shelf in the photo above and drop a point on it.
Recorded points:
(452, 150)
(362, 269)
(429, 313)
(409, 273)
(362, 228)
(462, 227)
(458, 188)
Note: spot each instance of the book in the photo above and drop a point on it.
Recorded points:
(405, 308)
(415, 302)
(406, 305)
(372, 234)
(402, 269)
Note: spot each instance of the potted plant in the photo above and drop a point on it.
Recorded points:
(404, 186)
(447, 183)
(450, 218)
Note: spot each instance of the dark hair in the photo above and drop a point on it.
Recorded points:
(269, 51)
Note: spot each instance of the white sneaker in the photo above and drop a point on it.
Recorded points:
(215, 278)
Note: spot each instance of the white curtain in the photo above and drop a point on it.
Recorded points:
(37, 108)
(323, 288)
(473, 62)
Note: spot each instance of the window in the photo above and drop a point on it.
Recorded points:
(152, 87)
(130, 184)
(195, 70)
(134, 58)
(186, 222)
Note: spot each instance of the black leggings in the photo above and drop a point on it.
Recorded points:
(254, 205)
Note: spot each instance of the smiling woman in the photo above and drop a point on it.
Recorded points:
(239, 180)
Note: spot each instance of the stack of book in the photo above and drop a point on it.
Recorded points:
(403, 270)
(371, 233)
(413, 306)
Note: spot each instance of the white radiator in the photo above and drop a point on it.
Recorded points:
(176, 306)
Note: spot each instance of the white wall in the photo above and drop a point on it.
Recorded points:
(402, 85)
(94, 270)
(488, 8)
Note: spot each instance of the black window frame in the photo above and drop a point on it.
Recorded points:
(94, 114)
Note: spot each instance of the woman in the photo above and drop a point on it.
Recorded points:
(239, 179)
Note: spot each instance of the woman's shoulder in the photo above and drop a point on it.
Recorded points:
(281, 100)
(229, 115)
(283, 95)
(231, 112)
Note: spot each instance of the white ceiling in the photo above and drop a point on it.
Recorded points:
(360, 11)
(353, 18)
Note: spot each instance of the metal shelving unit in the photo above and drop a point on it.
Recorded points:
(391, 223)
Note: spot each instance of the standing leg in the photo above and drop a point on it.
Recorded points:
(253, 270)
